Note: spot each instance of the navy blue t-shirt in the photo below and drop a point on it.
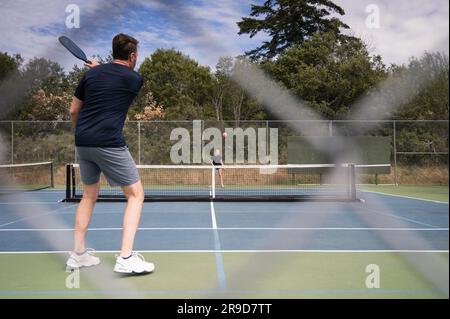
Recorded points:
(107, 91)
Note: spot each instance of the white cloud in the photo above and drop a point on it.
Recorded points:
(206, 29)
(29, 27)
(407, 27)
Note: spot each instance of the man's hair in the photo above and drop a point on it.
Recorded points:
(123, 45)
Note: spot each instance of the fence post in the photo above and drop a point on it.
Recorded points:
(52, 174)
(202, 127)
(394, 128)
(12, 142)
(139, 142)
(330, 128)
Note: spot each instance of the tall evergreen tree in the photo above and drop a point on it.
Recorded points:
(289, 23)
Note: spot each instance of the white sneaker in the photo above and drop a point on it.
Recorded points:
(87, 259)
(135, 264)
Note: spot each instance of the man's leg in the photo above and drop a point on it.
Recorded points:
(135, 195)
(83, 215)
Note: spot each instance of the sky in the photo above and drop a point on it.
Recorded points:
(206, 30)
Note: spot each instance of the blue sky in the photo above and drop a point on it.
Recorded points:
(205, 29)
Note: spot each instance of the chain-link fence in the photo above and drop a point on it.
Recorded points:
(419, 148)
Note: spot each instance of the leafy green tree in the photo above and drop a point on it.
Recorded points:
(145, 108)
(179, 84)
(45, 106)
(40, 79)
(328, 72)
(11, 84)
(431, 101)
(9, 64)
(222, 82)
(44, 74)
(288, 23)
(230, 101)
(73, 78)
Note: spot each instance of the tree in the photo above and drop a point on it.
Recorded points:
(328, 72)
(230, 101)
(430, 102)
(42, 84)
(289, 23)
(73, 78)
(11, 84)
(9, 64)
(221, 84)
(179, 84)
(44, 74)
(145, 107)
(44, 106)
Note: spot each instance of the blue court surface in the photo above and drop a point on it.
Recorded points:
(234, 249)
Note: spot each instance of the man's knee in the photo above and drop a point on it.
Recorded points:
(139, 195)
(135, 192)
(90, 192)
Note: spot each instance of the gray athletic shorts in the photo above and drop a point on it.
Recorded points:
(115, 163)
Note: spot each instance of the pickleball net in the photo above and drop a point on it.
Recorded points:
(240, 182)
(26, 177)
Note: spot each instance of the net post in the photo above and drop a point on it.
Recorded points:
(213, 182)
(68, 179)
(52, 174)
(352, 172)
(74, 185)
(394, 142)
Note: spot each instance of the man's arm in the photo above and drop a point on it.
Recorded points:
(75, 108)
(77, 104)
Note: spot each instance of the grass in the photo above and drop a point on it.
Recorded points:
(248, 275)
(438, 193)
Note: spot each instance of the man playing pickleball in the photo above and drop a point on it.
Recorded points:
(98, 112)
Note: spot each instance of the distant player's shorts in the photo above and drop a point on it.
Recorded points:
(218, 166)
(115, 163)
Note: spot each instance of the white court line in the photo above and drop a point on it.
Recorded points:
(229, 228)
(227, 212)
(36, 216)
(28, 203)
(213, 216)
(399, 217)
(220, 269)
(234, 251)
(408, 197)
(48, 190)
